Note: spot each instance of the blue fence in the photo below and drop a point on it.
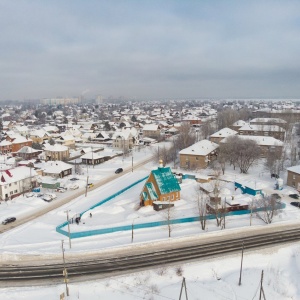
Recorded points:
(59, 227)
(74, 235)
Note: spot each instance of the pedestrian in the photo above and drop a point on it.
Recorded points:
(91, 215)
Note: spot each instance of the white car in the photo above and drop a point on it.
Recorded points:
(29, 195)
(74, 187)
(51, 195)
(47, 198)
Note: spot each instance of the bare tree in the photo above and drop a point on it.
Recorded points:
(217, 206)
(78, 169)
(247, 152)
(168, 215)
(224, 155)
(267, 208)
(273, 161)
(201, 201)
(206, 129)
(186, 136)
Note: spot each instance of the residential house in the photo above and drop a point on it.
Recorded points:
(5, 147)
(39, 136)
(266, 143)
(16, 181)
(151, 130)
(263, 130)
(27, 153)
(199, 155)
(161, 187)
(221, 134)
(56, 152)
(123, 140)
(20, 142)
(293, 177)
(66, 140)
(102, 137)
(22, 130)
(237, 125)
(269, 121)
(57, 169)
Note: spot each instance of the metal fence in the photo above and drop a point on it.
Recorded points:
(87, 233)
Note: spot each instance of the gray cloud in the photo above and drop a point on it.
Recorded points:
(149, 49)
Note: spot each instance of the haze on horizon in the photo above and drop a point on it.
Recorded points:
(150, 49)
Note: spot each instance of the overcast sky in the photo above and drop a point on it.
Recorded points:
(150, 49)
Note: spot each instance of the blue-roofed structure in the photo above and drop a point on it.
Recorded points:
(161, 185)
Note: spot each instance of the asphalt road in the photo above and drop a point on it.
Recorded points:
(60, 202)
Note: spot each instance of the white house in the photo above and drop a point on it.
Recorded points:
(16, 181)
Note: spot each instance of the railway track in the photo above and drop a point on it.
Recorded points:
(146, 259)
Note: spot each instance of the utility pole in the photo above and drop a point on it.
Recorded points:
(92, 157)
(69, 234)
(240, 280)
(183, 284)
(261, 286)
(87, 180)
(251, 212)
(65, 273)
(132, 232)
(132, 162)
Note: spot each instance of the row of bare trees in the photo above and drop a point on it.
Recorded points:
(168, 153)
(239, 152)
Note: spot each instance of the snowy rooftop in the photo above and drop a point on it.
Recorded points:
(203, 147)
(295, 169)
(262, 128)
(224, 132)
(261, 140)
(55, 148)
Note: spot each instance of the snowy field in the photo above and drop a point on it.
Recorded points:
(212, 279)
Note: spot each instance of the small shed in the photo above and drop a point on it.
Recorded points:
(160, 205)
(250, 187)
(50, 183)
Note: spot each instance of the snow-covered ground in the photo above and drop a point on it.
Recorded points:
(215, 279)
(40, 238)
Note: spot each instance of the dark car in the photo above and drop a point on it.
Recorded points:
(74, 179)
(294, 196)
(120, 170)
(9, 220)
(297, 204)
(276, 197)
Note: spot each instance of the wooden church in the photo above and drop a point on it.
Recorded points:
(161, 185)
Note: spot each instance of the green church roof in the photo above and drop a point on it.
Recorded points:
(166, 181)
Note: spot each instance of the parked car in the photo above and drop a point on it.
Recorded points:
(74, 187)
(297, 204)
(40, 195)
(51, 195)
(9, 220)
(74, 179)
(274, 176)
(119, 170)
(29, 195)
(61, 189)
(89, 185)
(276, 197)
(47, 198)
(294, 196)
